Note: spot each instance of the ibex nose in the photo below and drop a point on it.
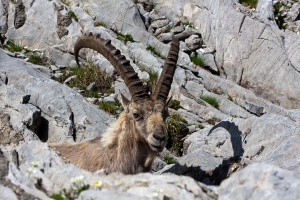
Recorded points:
(159, 133)
(159, 137)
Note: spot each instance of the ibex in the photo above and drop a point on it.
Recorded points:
(132, 142)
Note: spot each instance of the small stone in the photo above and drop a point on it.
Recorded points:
(108, 99)
(91, 87)
(69, 79)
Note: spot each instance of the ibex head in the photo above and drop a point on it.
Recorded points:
(146, 112)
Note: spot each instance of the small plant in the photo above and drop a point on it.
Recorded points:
(86, 75)
(230, 98)
(249, 3)
(37, 59)
(169, 160)
(279, 16)
(88, 11)
(76, 188)
(174, 104)
(197, 60)
(201, 126)
(12, 47)
(210, 100)
(14, 1)
(66, 2)
(154, 51)
(99, 23)
(125, 38)
(153, 77)
(73, 15)
(111, 107)
(213, 120)
(189, 24)
(176, 129)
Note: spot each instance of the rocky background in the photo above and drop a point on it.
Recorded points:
(245, 56)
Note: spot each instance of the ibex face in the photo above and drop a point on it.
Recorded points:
(147, 112)
(148, 118)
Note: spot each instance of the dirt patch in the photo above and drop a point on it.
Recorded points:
(8, 135)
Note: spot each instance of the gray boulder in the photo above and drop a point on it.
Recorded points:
(261, 181)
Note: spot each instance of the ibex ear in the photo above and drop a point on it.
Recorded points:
(125, 102)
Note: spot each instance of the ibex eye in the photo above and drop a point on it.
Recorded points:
(137, 116)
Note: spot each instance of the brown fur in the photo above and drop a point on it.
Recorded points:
(126, 146)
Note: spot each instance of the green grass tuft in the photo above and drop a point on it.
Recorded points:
(197, 60)
(125, 38)
(249, 3)
(174, 104)
(154, 51)
(73, 15)
(210, 100)
(111, 107)
(169, 160)
(176, 129)
(12, 47)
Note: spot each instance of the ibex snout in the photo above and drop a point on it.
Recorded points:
(157, 140)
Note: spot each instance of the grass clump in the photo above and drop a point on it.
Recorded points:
(99, 23)
(12, 47)
(210, 100)
(174, 104)
(213, 120)
(113, 108)
(125, 38)
(73, 15)
(176, 129)
(201, 126)
(169, 160)
(37, 59)
(86, 75)
(153, 77)
(249, 3)
(154, 51)
(197, 60)
(66, 2)
(188, 24)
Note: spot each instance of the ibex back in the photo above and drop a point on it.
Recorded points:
(132, 142)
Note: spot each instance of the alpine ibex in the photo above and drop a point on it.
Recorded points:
(131, 143)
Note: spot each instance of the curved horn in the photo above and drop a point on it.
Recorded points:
(164, 83)
(114, 56)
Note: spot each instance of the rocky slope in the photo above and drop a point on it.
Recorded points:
(243, 148)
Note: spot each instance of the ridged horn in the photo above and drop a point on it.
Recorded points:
(136, 88)
(164, 83)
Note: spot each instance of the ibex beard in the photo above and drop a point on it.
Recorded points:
(132, 142)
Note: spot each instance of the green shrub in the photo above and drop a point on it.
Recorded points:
(250, 3)
(197, 60)
(201, 126)
(125, 38)
(174, 104)
(12, 47)
(73, 15)
(169, 160)
(176, 129)
(189, 24)
(111, 107)
(210, 100)
(37, 59)
(85, 75)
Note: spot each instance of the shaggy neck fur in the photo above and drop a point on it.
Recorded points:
(121, 149)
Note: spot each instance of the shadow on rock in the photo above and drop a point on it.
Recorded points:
(225, 169)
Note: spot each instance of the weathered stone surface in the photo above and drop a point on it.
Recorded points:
(7, 193)
(251, 53)
(261, 181)
(193, 42)
(63, 110)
